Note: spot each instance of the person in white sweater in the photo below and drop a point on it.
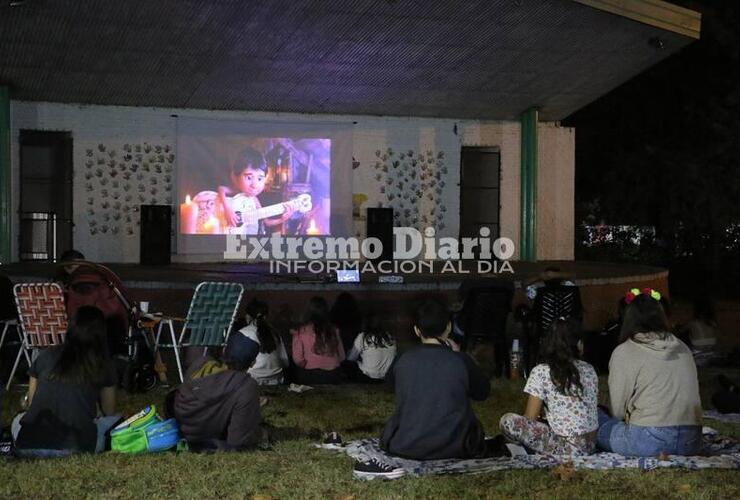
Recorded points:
(653, 386)
(373, 351)
(268, 368)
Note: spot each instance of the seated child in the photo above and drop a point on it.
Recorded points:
(317, 347)
(567, 389)
(434, 383)
(272, 358)
(218, 406)
(67, 385)
(374, 350)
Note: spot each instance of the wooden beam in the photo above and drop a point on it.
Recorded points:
(656, 13)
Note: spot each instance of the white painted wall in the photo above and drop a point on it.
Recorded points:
(115, 127)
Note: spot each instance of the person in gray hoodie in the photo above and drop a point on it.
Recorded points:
(653, 387)
(217, 407)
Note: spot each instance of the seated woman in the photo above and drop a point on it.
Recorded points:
(373, 351)
(568, 388)
(653, 386)
(67, 384)
(272, 358)
(317, 347)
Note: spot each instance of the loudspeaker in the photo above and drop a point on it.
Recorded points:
(380, 225)
(156, 224)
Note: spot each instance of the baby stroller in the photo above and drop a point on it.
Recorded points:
(91, 284)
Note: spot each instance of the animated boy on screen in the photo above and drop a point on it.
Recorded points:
(243, 212)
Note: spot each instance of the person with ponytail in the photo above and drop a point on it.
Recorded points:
(71, 392)
(567, 389)
(272, 358)
(653, 386)
(317, 347)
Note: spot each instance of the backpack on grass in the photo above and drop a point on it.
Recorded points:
(145, 432)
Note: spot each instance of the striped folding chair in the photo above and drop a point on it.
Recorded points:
(42, 318)
(209, 320)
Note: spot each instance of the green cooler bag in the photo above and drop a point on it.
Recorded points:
(144, 432)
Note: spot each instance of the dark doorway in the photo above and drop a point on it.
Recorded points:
(46, 194)
(480, 191)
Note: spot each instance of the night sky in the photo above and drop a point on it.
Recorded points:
(648, 140)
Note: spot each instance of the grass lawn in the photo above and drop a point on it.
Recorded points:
(294, 469)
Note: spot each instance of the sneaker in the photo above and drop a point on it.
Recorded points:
(332, 441)
(495, 447)
(373, 469)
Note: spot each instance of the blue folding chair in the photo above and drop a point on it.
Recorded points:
(208, 322)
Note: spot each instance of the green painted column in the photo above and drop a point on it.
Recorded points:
(5, 208)
(528, 236)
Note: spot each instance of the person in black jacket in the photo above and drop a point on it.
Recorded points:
(434, 384)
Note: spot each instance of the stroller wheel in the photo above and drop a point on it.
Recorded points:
(147, 380)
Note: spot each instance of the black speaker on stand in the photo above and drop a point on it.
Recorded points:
(380, 225)
(156, 226)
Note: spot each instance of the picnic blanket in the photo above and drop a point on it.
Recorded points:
(730, 418)
(721, 453)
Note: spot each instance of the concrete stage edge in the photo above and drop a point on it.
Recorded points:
(169, 288)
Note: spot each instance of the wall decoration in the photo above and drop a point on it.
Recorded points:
(413, 184)
(112, 172)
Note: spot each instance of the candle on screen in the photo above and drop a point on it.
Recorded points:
(312, 228)
(212, 225)
(188, 216)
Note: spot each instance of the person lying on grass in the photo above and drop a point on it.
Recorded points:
(434, 383)
(217, 407)
(67, 384)
(653, 386)
(568, 388)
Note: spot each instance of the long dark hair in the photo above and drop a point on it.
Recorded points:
(643, 315)
(258, 311)
(375, 334)
(559, 350)
(317, 315)
(345, 313)
(85, 350)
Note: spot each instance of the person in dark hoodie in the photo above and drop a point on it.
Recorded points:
(653, 386)
(217, 407)
(434, 384)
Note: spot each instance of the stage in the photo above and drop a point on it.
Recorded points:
(169, 288)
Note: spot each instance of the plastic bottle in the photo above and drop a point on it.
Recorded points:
(515, 360)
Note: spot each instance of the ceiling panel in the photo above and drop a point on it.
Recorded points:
(488, 59)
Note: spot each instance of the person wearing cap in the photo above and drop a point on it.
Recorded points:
(217, 407)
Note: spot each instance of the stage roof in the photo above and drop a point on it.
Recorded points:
(487, 59)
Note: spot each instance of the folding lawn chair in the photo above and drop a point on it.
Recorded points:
(7, 325)
(42, 318)
(209, 319)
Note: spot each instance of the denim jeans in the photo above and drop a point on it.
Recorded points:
(104, 424)
(641, 441)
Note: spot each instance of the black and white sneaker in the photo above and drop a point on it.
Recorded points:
(373, 469)
(332, 441)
